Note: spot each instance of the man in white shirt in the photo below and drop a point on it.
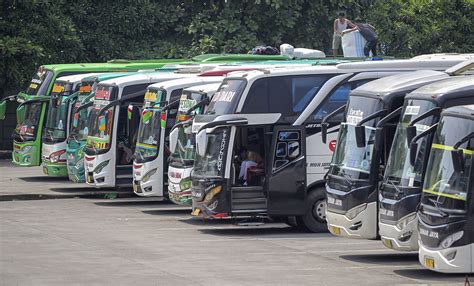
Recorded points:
(340, 24)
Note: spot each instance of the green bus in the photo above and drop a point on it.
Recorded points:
(33, 108)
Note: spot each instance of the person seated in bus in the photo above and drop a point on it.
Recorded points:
(252, 160)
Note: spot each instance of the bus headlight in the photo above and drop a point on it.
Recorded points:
(55, 156)
(448, 241)
(148, 175)
(403, 222)
(185, 184)
(352, 213)
(101, 166)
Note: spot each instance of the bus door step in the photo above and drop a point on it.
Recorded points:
(249, 199)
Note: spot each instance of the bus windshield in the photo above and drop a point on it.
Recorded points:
(100, 128)
(40, 82)
(350, 161)
(226, 98)
(56, 121)
(79, 128)
(188, 99)
(443, 188)
(27, 129)
(212, 163)
(149, 130)
(184, 154)
(399, 171)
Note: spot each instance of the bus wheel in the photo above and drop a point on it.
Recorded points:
(315, 217)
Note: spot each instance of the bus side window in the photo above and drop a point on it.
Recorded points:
(338, 98)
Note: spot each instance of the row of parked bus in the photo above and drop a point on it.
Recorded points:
(367, 149)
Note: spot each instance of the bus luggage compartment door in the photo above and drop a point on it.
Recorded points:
(287, 172)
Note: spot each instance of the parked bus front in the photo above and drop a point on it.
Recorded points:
(64, 94)
(193, 101)
(400, 191)
(30, 117)
(113, 130)
(79, 122)
(152, 150)
(446, 213)
(360, 155)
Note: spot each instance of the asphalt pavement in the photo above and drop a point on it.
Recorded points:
(54, 232)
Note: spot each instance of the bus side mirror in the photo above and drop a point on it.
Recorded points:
(324, 132)
(174, 139)
(360, 136)
(413, 150)
(3, 108)
(201, 143)
(457, 156)
(411, 133)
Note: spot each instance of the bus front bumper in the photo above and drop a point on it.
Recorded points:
(179, 197)
(450, 260)
(25, 155)
(405, 239)
(363, 225)
(55, 170)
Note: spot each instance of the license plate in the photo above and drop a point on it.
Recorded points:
(429, 262)
(387, 243)
(196, 212)
(336, 230)
(45, 170)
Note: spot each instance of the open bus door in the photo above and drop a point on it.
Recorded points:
(286, 174)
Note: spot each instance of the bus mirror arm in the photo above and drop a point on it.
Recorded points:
(414, 145)
(171, 105)
(39, 98)
(84, 106)
(105, 108)
(360, 128)
(73, 97)
(9, 98)
(201, 137)
(458, 154)
(325, 125)
(411, 129)
(203, 102)
(228, 122)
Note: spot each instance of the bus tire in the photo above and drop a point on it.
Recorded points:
(315, 218)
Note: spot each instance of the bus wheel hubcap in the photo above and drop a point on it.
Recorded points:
(319, 210)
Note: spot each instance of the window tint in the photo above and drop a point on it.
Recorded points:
(257, 99)
(338, 98)
(288, 95)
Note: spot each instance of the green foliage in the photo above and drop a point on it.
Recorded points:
(41, 32)
(409, 28)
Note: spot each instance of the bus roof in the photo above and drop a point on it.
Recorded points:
(109, 66)
(444, 56)
(445, 89)
(76, 77)
(388, 65)
(398, 84)
(184, 82)
(141, 78)
(205, 88)
(107, 76)
(461, 110)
